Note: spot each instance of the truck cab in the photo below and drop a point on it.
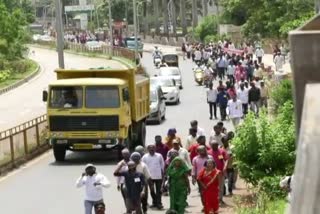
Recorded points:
(104, 112)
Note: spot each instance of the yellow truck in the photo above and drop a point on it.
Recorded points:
(97, 109)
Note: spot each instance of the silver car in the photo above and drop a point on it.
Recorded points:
(157, 105)
(172, 72)
(170, 90)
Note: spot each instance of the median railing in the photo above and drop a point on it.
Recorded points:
(98, 49)
(22, 142)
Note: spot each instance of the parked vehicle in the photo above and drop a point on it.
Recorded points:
(157, 104)
(170, 89)
(172, 72)
(130, 43)
(97, 109)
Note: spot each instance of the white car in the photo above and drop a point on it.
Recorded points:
(173, 73)
(157, 105)
(170, 90)
(93, 45)
(46, 38)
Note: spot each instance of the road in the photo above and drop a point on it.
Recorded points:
(25, 103)
(43, 186)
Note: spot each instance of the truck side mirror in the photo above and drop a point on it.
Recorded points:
(125, 95)
(44, 96)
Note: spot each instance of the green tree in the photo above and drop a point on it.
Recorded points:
(208, 26)
(266, 17)
(12, 32)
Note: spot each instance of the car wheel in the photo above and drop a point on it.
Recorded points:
(159, 118)
(181, 87)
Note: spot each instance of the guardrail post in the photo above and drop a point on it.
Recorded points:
(12, 149)
(25, 141)
(37, 135)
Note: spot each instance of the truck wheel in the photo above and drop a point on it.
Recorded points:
(59, 153)
(129, 140)
(141, 134)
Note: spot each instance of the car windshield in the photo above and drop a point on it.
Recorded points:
(163, 82)
(102, 97)
(169, 72)
(66, 97)
(153, 96)
(170, 57)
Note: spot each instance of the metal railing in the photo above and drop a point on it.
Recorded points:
(22, 142)
(101, 49)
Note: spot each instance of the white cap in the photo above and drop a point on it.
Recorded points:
(89, 165)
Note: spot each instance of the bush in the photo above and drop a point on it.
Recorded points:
(265, 149)
(282, 93)
(216, 38)
(208, 26)
(4, 75)
(19, 66)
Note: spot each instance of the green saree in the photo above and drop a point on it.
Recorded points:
(178, 188)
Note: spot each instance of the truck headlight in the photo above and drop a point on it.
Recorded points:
(57, 134)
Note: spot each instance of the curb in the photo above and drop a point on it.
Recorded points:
(20, 82)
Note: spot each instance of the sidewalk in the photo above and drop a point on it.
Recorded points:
(268, 58)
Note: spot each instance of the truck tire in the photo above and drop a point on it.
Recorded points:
(129, 140)
(142, 134)
(59, 153)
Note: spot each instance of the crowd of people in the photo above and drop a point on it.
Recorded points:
(167, 168)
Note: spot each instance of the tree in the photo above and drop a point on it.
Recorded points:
(207, 27)
(183, 17)
(156, 15)
(266, 17)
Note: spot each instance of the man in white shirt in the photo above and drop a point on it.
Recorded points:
(93, 183)
(191, 139)
(197, 56)
(243, 95)
(155, 164)
(278, 61)
(212, 94)
(235, 111)
(259, 54)
(200, 131)
(183, 153)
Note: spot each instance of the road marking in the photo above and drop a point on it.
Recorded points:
(25, 166)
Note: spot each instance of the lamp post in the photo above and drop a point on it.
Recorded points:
(110, 28)
(135, 28)
(59, 30)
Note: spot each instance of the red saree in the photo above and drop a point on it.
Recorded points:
(211, 193)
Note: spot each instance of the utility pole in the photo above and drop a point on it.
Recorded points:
(110, 28)
(135, 28)
(59, 30)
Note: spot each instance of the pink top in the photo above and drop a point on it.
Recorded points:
(198, 164)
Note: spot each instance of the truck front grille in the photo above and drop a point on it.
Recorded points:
(84, 123)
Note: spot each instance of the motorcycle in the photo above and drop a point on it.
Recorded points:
(199, 75)
(157, 61)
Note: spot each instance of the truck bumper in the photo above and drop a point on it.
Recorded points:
(87, 144)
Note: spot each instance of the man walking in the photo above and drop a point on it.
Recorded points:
(120, 180)
(254, 98)
(235, 111)
(243, 95)
(135, 184)
(183, 153)
(93, 183)
(161, 148)
(212, 94)
(221, 159)
(222, 101)
(155, 164)
(194, 125)
(259, 54)
(264, 91)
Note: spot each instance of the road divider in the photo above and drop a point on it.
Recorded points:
(22, 81)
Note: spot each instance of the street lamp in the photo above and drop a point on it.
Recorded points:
(138, 21)
(59, 30)
(110, 27)
(135, 28)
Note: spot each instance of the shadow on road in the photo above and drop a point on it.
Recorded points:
(82, 158)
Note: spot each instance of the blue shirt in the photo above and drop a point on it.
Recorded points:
(222, 98)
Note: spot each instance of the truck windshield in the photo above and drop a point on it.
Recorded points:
(102, 97)
(66, 97)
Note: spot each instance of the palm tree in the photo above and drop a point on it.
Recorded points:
(204, 8)
(183, 17)
(156, 15)
(194, 13)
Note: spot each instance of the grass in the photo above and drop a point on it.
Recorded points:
(271, 207)
(15, 76)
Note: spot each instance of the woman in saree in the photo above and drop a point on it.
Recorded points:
(209, 180)
(179, 186)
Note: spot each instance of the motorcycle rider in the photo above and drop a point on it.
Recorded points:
(156, 54)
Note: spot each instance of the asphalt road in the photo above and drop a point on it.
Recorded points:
(25, 102)
(43, 186)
